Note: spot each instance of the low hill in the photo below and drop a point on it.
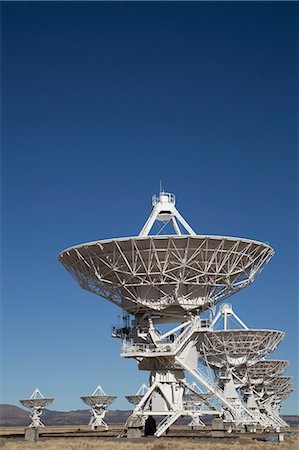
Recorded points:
(293, 421)
(14, 416)
(11, 415)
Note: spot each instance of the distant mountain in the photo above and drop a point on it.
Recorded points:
(293, 421)
(14, 416)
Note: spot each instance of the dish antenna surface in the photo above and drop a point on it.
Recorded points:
(263, 370)
(166, 275)
(135, 398)
(36, 403)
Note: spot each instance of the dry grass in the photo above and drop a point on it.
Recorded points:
(291, 443)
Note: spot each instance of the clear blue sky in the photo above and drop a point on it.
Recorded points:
(100, 102)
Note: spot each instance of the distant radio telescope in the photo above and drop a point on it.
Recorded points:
(98, 401)
(36, 403)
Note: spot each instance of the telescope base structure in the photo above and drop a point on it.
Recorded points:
(35, 417)
(269, 410)
(97, 418)
(196, 422)
(168, 361)
(165, 397)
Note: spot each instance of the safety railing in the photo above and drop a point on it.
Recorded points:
(130, 348)
(197, 325)
(146, 349)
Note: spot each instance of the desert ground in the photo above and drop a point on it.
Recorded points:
(291, 443)
(74, 438)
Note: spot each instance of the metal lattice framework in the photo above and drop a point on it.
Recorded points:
(277, 384)
(260, 371)
(237, 347)
(269, 401)
(284, 392)
(166, 272)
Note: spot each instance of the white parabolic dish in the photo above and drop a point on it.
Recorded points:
(238, 347)
(169, 274)
(37, 402)
(98, 400)
(278, 383)
(262, 370)
(134, 399)
(280, 387)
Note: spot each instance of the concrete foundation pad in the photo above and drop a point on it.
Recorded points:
(31, 434)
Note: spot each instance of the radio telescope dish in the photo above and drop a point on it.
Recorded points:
(285, 392)
(260, 371)
(273, 386)
(98, 401)
(237, 347)
(166, 274)
(36, 403)
(135, 398)
(277, 384)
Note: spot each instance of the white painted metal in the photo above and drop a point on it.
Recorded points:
(236, 359)
(98, 401)
(256, 373)
(233, 348)
(200, 403)
(226, 312)
(174, 279)
(166, 275)
(170, 359)
(164, 210)
(136, 398)
(36, 403)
